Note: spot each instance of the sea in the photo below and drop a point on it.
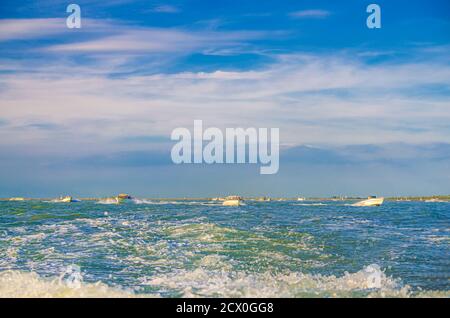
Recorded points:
(157, 248)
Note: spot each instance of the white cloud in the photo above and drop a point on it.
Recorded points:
(312, 99)
(110, 45)
(24, 29)
(157, 40)
(166, 9)
(19, 29)
(315, 14)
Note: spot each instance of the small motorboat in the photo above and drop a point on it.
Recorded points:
(435, 200)
(122, 198)
(17, 199)
(233, 200)
(371, 201)
(65, 199)
(118, 199)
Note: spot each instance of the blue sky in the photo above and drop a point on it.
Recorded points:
(89, 111)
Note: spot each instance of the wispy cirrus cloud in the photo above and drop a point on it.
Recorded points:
(166, 9)
(19, 29)
(310, 14)
(113, 44)
(109, 36)
(159, 40)
(54, 28)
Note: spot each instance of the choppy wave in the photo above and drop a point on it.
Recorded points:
(158, 202)
(214, 278)
(203, 203)
(184, 248)
(107, 201)
(371, 281)
(142, 201)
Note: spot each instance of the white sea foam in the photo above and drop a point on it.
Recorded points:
(107, 201)
(214, 278)
(25, 284)
(371, 281)
(72, 276)
(144, 201)
(437, 239)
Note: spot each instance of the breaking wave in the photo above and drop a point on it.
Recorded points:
(212, 279)
(70, 284)
(371, 281)
(107, 201)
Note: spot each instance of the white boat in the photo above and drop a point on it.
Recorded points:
(233, 200)
(17, 199)
(65, 199)
(301, 199)
(434, 200)
(231, 203)
(121, 198)
(371, 201)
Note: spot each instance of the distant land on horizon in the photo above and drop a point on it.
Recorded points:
(343, 198)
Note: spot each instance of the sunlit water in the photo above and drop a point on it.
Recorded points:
(197, 249)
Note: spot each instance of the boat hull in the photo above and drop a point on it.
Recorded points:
(67, 199)
(231, 203)
(370, 202)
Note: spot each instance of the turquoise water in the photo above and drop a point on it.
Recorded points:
(196, 248)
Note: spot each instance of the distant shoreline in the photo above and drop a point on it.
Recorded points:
(258, 199)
